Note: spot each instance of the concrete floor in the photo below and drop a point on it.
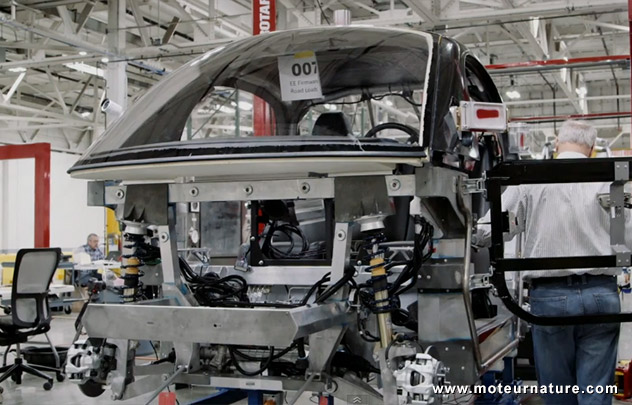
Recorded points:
(30, 392)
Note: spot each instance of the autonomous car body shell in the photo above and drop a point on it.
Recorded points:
(192, 124)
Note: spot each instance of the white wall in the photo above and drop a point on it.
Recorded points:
(71, 220)
(17, 202)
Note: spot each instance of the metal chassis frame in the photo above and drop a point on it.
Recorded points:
(429, 182)
(615, 170)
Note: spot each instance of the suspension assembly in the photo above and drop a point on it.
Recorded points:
(382, 305)
(138, 253)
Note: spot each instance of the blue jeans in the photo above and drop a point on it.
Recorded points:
(578, 354)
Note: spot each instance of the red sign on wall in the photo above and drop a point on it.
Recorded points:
(263, 20)
(263, 16)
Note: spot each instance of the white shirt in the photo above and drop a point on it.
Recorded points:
(558, 220)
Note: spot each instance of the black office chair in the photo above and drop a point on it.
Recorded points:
(29, 311)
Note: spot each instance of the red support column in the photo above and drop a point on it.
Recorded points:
(263, 20)
(630, 25)
(41, 153)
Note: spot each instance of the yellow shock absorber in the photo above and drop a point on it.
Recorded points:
(131, 278)
(381, 300)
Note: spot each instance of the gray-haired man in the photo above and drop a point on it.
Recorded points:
(92, 248)
(567, 220)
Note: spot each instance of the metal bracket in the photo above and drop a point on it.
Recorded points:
(621, 172)
(480, 281)
(604, 200)
(474, 186)
(622, 254)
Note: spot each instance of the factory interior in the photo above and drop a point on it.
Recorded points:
(270, 202)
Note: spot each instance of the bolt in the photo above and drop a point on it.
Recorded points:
(359, 262)
(419, 277)
(248, 189)
(462, 347)
(396, 184)
(120, 194)
(252, 238)
(341, 235)
(446, 349)
(462, 367)
(260, 262)
(428, 277)
(164, 237)
(194, 191)
(305, 188)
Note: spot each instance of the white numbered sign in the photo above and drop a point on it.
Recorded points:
(299, 77)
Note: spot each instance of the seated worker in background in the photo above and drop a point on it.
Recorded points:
(86, 254)
(567, 220)
(92, 248)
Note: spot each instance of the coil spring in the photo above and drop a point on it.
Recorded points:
(387, 304)
(378, 283)
(369, 245)
(134, 283)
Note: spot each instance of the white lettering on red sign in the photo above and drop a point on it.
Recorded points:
(263, 16)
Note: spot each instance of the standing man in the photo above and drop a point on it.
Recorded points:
(567, 220)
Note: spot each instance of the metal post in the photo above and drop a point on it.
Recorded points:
(342, 17)
(115, 74)
(237, 118)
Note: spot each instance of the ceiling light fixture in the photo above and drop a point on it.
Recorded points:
(19, 69)
(83, 53)
(226, 109)
(513, 94)
(83, 68)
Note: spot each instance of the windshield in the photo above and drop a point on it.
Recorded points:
(326, 81)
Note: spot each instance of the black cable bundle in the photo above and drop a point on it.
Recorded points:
(423, 237)
(211, 290)
(291, 232)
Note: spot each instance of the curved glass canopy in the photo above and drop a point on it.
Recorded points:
(327, 83)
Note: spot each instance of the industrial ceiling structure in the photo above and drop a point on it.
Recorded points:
(59, 59)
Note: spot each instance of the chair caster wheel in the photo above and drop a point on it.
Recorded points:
(60, 377)
(68, 310)
(48, 385)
